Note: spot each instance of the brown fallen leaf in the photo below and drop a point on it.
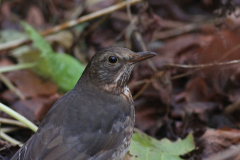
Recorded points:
(214, 141)
(35, 16)
(36, 108)
(30, 84)
(196, 90)
(9, 96)
(222, 48)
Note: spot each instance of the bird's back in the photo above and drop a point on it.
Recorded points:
(82, 124)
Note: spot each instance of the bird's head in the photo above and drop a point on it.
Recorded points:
(110, 68)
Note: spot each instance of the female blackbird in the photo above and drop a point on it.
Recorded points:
(93, 121)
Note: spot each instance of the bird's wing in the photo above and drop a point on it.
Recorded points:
(55, 147)
(60, 137)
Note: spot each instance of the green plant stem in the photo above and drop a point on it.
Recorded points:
(19, 117)
(10, 139)
(17, 67)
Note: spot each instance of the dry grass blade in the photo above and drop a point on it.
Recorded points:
(11, 86)
(12, 122)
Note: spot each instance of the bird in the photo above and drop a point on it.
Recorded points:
(94, 120)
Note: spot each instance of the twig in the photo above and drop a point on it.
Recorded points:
(11, 86)
(13, 44)
(229, 52)
(184, 66)
(129, 13)
(178, 31)
(226, 154)
(17, 67)
(138, 83)
(202, 65)
(91, 28)
(143, 88)
(166, 24)
(221, 58)
(158, 74)
(232, 107)
(19, 117)
(184, 74)
(17, 43)
(77, 10)
(12, 122)
(89, 17)
(10, 139)
(138, 36)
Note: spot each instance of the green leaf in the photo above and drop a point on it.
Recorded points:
(61, 68)
(68, 71)
(144, 147)
(38, 41)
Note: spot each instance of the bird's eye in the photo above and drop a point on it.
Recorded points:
(112, 59)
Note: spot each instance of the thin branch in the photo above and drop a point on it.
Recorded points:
(90, 17)
(129, 13)
(221, 58)
(180, 30)
(17, 43)
(184, 74)
(143, 88)
(142, 47)
(14, 44)
(184, 66)
(229, 52)
(137, 83)
(232, 107)
(148, 82)
(202, 65)
(12, 122)
(158, 74)
(19, 117)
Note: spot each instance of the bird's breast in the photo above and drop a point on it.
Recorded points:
(127, 96)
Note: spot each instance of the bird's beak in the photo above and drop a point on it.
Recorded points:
(140, 56)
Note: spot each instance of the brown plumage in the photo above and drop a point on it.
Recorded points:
(93, 121)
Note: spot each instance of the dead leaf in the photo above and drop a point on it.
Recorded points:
(36, 108)
(196, 90)
(214, 141)
(219, 50)
(30, 84)
(35, 16)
